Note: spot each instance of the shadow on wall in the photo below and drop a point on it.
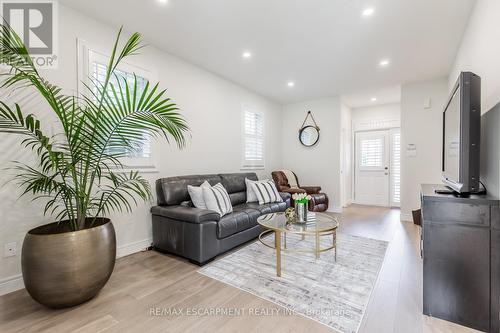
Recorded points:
(490, 150)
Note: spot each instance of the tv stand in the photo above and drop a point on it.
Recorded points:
(460, 248)
(449, 191)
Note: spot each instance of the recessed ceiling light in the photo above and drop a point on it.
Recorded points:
(291, 84)
(368, 12)
(246, 55)
(163, 2)
(384, 62)
(374, 99)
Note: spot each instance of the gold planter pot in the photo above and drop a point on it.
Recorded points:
(63, 268)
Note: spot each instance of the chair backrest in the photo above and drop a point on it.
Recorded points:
(173, 190)
(280, 180)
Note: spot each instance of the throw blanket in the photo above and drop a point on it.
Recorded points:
(292, 180)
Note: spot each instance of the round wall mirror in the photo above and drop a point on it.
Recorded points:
(309, 135)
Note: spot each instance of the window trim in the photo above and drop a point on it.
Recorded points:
(246, 164)
(86, 54)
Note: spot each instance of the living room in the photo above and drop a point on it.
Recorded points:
(320, 129)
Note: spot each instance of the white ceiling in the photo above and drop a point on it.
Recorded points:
(325, 46)
(386, 95)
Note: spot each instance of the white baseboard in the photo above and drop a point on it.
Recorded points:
(131, 248)
(406, 217)
(15, 282)
(11, 284)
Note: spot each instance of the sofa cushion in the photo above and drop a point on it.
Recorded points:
(237, 198)
(263, 209)
(236, 186)
(184, 213)
(252, 213)
(173, 190)
(234, 223)
(235, 182)
(277, 206)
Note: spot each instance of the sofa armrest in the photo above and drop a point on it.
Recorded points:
(187, 214)
(311, 189)
(285, 196)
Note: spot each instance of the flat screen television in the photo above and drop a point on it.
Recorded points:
(462, 135)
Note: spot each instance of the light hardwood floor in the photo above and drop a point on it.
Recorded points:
(150, 280)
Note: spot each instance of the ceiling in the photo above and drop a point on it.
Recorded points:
(326, 47)
(372, 97)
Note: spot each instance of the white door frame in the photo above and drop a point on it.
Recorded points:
(366, 126)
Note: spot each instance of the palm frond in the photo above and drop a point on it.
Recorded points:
(77, 168)
(122, 188)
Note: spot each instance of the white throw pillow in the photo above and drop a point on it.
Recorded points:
(266, 192)
(217, 199)
(251, 196)
(196, 194)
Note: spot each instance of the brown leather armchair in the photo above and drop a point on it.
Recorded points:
(319, 201)
(283, 185)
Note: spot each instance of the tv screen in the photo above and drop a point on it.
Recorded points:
(462, 135)
(452, 139)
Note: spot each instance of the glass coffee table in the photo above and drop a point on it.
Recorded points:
(318, 225)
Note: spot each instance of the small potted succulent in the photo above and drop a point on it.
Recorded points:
(301, 200)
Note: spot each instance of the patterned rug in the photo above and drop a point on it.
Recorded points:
(333, 293)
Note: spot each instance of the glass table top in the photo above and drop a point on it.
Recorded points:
(316, 222)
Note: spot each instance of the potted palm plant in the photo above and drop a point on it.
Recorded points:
(78, 171)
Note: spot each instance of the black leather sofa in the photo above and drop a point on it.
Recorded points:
(199, 234)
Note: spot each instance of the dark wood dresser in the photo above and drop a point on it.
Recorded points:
(460, 248)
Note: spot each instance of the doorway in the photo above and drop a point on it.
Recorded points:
(377, 167)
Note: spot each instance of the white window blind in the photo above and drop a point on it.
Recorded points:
(253, 139)
(98, 72)
(372, 151)
(396, 167)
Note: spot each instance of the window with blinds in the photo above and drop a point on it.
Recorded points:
(372, 153)
(253, 140)
(396, 167)
(98, 73)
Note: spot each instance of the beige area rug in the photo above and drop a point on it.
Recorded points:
(333, 293)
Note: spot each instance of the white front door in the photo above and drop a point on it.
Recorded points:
(372, 170)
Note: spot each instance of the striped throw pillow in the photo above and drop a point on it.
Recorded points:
(266, 192)
(217, 199)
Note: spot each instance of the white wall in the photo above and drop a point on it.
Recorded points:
(346, 155)
(479, 51)
(422, 127)
(377, 112)
(211, 105)
(318, 165)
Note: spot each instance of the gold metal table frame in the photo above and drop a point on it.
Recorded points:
(281, 230)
